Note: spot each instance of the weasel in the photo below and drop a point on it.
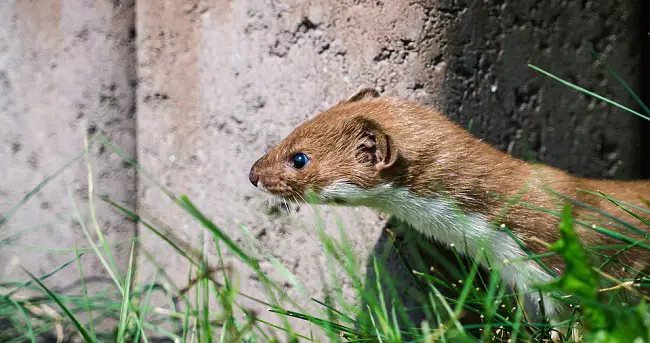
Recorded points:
(412, 162)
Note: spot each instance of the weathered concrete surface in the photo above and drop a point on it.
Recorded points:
(222, 82)
(523, 112)
(66, 68)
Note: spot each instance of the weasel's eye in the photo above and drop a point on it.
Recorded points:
(299, 160)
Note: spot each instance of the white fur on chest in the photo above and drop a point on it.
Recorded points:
(440, 219)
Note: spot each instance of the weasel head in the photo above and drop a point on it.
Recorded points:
(333, 158)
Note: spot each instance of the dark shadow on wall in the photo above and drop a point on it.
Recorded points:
(488, 82)
(398, 252)
(523, 112)
(644, 42)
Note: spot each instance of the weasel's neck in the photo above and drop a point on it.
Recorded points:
(438, 218)
(435, 216)
(472, 174)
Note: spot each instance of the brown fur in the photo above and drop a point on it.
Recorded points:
(370, 140)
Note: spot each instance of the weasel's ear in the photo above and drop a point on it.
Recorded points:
(376, 146)
(363, 93)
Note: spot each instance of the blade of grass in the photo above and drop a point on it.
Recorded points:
(185, 203)
(396, 327)
(516, 324)
(283, 329)
(37, 189)
(448, 309)
(144, 307)
(172, 336)
(331, 335)
(467, 307)
(179, 245)
(372, 319)
(13, 236)
(620, 79)
(186, 317)
(126, 301)
(288, 275)
(594, 227)
(267, 283)
(93, 216)
(207, 331)
(44, 277)
(528, 251)
(222, 338)
(333, 309)
(169, 237)
(404, 261)
(494, 293)
(226, 295)
(139, 168)
(628, 212)
(467, 287)
(109, 270)
(580, 89)
(620, 221)
(30, 330)
(318, 321)
(621, 202)
(443, 337)
(426, 332)
(82, 330)
(37, 331)
(382, 302)
(85, 295)
(195, 330)
(62, 251)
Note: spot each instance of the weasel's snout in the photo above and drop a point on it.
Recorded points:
(252, 174)
(268, 180)
(253, 178)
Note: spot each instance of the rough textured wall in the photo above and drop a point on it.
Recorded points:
(220, 84)
(528, 114)
(66, 69)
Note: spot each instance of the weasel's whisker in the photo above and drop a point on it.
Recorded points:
(310, 221)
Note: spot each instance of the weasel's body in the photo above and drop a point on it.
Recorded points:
(412, 162)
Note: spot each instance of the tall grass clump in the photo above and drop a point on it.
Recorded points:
(453, 301)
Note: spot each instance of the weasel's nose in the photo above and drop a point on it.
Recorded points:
(252, 175)
(254, 179)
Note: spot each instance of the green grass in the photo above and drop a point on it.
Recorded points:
(457, 300)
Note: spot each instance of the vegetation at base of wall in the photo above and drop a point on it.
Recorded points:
(209, 305)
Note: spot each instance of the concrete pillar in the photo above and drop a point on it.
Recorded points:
(222, 82)
(66, 69)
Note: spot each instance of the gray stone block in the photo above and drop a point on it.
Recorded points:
(65, 70)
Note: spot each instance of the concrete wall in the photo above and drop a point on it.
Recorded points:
(489, 50)
(66, 69)
(219, 82)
